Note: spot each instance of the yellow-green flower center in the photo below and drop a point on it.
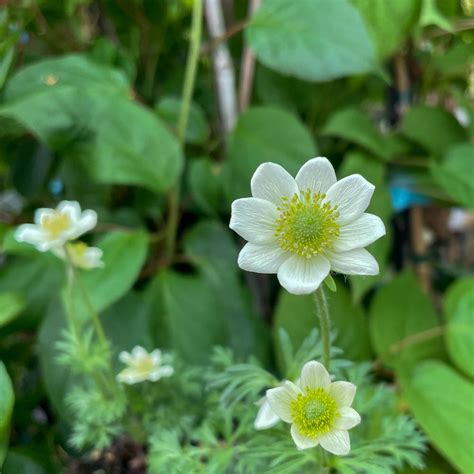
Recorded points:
(307, 224)
(56, 224)
(314, 412)
(144, 365)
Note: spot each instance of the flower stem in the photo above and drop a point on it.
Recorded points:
(325, 323)
(186, 98)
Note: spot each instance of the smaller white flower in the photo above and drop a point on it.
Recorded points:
(81, 255)
(142, 366)
(319, 411)
(54, 227)
(266, 417)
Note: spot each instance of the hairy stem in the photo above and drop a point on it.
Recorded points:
(186, 97)
(325, 324)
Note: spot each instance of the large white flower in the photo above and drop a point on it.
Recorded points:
(319, 411)
(81, 255)
(266, 417)
(302, 228)
(142, 366)
(54, 227)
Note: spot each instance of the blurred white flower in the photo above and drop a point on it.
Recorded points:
(303, 228)
(81, 255)
(319, 411)
(54, 227)
(143, 366)
(266, 417)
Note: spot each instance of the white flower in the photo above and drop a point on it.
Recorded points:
(319, 411)
(303, 228)
(81, 255)
(54, 227)
(266, 417)
(142, 366)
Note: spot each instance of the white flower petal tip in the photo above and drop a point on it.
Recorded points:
(303, 228)
(319, 411)
(142, 366)
(266, 417)
(54, 227)
(80, 255)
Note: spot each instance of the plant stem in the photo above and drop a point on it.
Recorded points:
(325, 323)
(186, 97)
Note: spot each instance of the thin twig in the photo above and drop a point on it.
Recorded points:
(237, 27)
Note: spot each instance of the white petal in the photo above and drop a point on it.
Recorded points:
(272, 182)
(156, 356)
(353, 262)
(336, 442)
(280, 399)
(139, 352)
(348, 419)
(352, 196)
(93, 258)
(50, 244)
(302, 441)
(317, 174)
(165, 371)
(42, 213)
(343, 393)
(129, 376)
(300, 275)
(30, 234)
(86, 222)
(125, 357)
(71, 208)
(266, 417)
(254, 220)
(262, 258)
(314, 375)
(363, 231)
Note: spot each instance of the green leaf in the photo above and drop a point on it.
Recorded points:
(388, 22)
(454, 173)
(433, 128)
(355, 126)
(380, 205)
(441, 401)
(297, 316)
(11, 305)
(315, 40)
(197, 132)
(86, 110)
(7, 399)
(265, 134)
(124, 255)
(398, 334)
(431, 16)
(205, 185)
(459, 311)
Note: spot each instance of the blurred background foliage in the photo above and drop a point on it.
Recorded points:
(89, 104)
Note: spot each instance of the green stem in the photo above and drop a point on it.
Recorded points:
(186, 97)
(325, 323)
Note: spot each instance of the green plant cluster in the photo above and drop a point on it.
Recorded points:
(92, 109)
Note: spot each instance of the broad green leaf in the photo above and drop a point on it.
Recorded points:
(315, 40)
(265, 134)
(455, 62)
(431, 16)
(124, 255)
(297, 316)
(401, 315)
(19, 462)
(210, 245)
(355, 126)
(442, 403)
(459, 311)
(86, 110)
(454, 173)
(380, 205)
(205, 185)
(11, 305)
(197, 132)
(194, 326)
(7, 399)
(389, 22)
(433, 128)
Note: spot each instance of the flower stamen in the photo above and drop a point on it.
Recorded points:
(56, 223)
(307, 224)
